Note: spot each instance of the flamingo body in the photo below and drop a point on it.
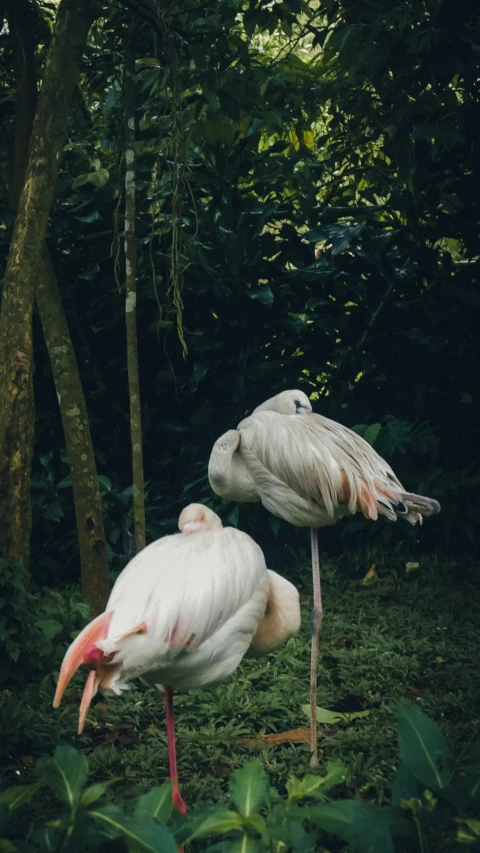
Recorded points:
(310, 471)
(182, 615)
(307, 469)
(200, 620)
(183, 612)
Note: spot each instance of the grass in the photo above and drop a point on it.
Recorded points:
(402, 636)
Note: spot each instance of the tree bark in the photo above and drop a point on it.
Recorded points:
(21, 24)
(131, 300)
(86, 492)
(15, 515)
(16, 351)
(88, 506)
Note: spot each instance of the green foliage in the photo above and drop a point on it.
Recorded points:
(33, 626)
(423, 749)
(87, 822)
(66, 774)
(249, 789)
(346, 128)
(402, 636)
(261, 820)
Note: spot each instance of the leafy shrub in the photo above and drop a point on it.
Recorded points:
(34, 626)
(432, 797)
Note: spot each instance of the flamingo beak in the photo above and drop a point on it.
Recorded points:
(75, 656)
(89, 692)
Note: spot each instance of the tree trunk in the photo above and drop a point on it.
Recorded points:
(131, 300)
(86, 492)
(16, 351)
(88, 506)
(16, 516)
(21, 24)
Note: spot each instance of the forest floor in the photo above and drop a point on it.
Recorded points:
(406, 634)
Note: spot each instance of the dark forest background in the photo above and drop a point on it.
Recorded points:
(320, 163)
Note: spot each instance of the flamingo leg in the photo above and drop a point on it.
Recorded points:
(172, 752)
(316, 624)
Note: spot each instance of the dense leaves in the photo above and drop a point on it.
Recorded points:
(263, 821)
(317, 167)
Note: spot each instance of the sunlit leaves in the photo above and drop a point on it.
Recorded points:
(249, 788)
(316, 787)
(334, 717)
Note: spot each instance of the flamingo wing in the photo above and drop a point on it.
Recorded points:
(171, 599)
(183, 589)
(318, 460)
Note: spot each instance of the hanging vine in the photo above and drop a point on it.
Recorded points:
(171, 155)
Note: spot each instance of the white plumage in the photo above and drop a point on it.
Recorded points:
(310, 471)
(202, 597)
(182, 615)
(307, 469)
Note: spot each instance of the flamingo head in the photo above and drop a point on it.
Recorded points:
(287, 403)
(197, 517)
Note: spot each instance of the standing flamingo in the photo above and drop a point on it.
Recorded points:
(310, 471)
(182, 615)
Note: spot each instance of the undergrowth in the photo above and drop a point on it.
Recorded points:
(405, 632)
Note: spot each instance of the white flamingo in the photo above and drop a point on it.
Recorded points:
(310, 471)
(182, 615)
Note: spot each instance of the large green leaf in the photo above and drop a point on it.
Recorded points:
(355, 821)
(65, 773)
(423, 748)
(157, 803)
(221, 821)
(316, 786)
(94, 792)
(141, 833)
(370, 833)
(249, 788)
(468, 831)
(246, 844)
(48, 837)
(405, 786)
(471, 767)
(331, 718)
(337, 817)
(15, 797)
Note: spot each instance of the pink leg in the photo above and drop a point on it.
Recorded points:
(316, 624)
(172, 754)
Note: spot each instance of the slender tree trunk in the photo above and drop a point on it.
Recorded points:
(86, 492)
(21, 24)
(16, 352)
(88, 506)
(15, 508)
(131, 300)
